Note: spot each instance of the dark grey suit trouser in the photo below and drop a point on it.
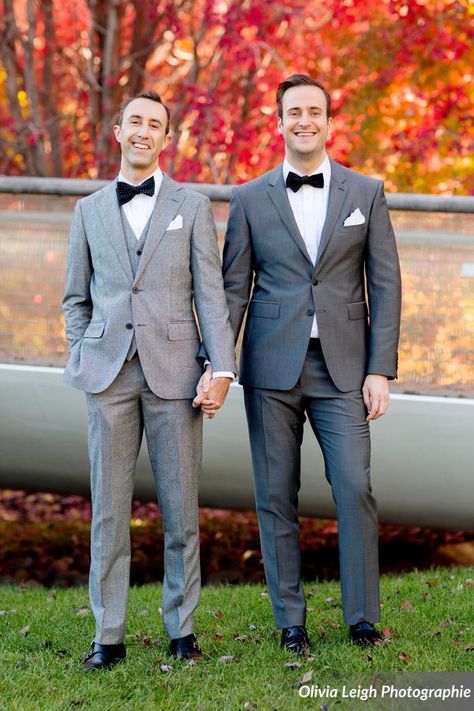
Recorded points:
(173, 429)
(275, 419)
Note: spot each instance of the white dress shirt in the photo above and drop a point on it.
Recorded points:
(138, 211)
(309, 206)
(139, 208)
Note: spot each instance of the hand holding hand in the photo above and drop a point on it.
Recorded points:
(216, 396)
(202, 388)
(376, 395)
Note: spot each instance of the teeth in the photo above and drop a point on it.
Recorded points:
(140, 145)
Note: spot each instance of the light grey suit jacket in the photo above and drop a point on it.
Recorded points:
(356, 273)
(178, 278)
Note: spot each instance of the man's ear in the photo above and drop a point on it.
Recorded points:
(168, 139)
(280, 125)
(117, 130)
(330, 126)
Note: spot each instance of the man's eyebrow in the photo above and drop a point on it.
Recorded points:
(311, 108)
(138, 116)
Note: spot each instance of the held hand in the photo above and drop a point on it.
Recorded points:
(202, 388)
(376, 395)
(216, 396)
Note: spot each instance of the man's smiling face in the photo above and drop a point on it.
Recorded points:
(304, 124)
(142, 137)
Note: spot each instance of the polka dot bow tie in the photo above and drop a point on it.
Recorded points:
(125, 191)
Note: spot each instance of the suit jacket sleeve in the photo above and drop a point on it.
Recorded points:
(209, 295)
(77, 303)
(384, 290)
(237, 263)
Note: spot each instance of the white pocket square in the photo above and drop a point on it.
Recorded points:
(355, 218)
(175, 224)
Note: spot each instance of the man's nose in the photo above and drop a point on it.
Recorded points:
(305, 119)
(144, 130)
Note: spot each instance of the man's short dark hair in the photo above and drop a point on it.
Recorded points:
(153, 96)
(300, 80)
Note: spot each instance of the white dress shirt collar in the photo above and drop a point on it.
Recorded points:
(158, 175)
(324, 168)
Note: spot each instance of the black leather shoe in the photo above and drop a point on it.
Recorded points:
(103, 656)
(364, 633)
(185, 647)
(295, 639)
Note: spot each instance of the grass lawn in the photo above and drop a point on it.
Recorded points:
(427, 619)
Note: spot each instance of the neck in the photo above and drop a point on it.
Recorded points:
(305, 163)
(136, 175)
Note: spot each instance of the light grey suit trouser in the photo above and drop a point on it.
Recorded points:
(173, 429)
(275, 419)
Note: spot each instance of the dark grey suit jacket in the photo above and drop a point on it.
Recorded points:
(178, 279)
(356, 274)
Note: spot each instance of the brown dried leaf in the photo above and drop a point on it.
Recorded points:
(307, 677)
(218, 614)
(165, 668)
(293, 665)
(217, 637)
(407, 606)
(3, 613)
(226, 659)
(404, 657)
(25, 631)
(387, 633)
(250, 705)
(240, 637)
(82, 611)
(469, 648)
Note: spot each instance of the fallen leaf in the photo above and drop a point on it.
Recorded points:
(252, 628)
(165, 668)
(387, 633)
(142, 613)
(77, 702)
(218, 615)
(293, 665)
(447, 623)
(426, 594)
(263, 594)
(240, 637)
(82, 611)
(469, 648)
(217, 637)
(369, 658)
(226, 659)
(469, 582)
(3, 613)
(311, 658)
(52, 595)
(307, 677)
(407, 606)
(25, 630)
(250, 705)
(404, 657)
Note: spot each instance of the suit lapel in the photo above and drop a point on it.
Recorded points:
(109, 213)
(279, 197)
(337, 195)
(168, 201)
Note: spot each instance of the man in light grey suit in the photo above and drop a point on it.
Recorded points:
(310, 252)
(142, 253)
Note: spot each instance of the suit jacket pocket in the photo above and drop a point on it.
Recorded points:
(264, 309)
(182, 331)
(95, 329)
(357, 309)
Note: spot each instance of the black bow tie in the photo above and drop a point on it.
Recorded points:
(294, 182)
(125, 191)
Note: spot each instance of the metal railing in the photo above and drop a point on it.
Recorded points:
(221, 193)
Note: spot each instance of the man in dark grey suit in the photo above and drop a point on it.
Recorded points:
(310, 251)
(142, 257)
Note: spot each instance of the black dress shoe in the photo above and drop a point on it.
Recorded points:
(295, 639)
(103, 656)
(364, 633)
(185, 647)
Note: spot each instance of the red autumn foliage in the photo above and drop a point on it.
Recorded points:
(44, 539)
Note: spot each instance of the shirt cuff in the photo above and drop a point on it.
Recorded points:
(224, 374)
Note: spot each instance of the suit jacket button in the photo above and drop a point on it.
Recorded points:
(135, 289)
(315, 282)
(310, 312)
(139, 251)
(129, 325)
